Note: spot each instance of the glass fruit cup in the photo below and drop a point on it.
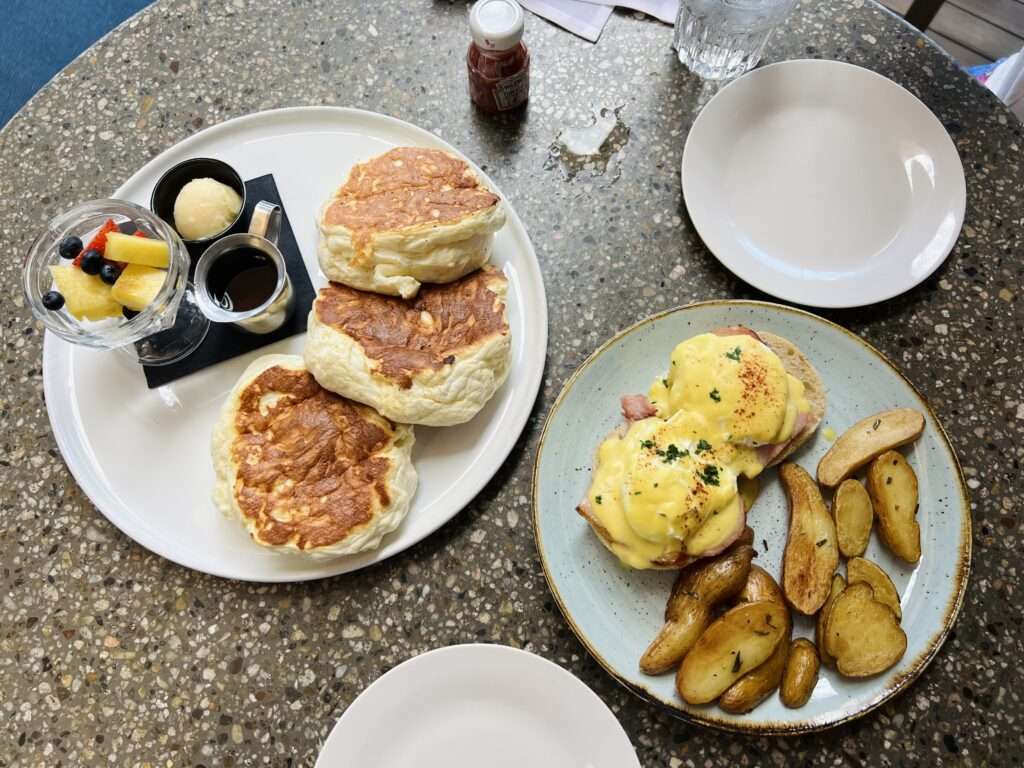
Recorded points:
(167, 330)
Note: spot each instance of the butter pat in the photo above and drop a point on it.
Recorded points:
(205, 207)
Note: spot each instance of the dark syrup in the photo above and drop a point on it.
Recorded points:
(242, 279)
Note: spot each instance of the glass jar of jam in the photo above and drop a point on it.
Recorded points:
(499, 64)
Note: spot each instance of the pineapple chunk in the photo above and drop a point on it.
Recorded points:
(138, 285)
(137, 250)
(86, 296)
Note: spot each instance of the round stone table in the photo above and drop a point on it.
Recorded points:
(110, 655)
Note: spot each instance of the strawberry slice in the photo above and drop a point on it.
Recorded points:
(98, 242)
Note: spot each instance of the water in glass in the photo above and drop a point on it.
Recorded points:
(721, 39)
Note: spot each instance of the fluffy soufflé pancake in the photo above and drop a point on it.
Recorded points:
(306, 469)
(408, 216)
(405, 187)
(435, 359)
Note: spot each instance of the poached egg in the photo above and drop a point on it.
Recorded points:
(666, 489)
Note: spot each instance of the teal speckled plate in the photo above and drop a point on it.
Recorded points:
(616, 611)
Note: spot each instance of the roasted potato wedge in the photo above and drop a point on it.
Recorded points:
(892, 485)
(867, 439)
(859, 569)
(740, 640)
(760, 586)
(754, 687)
(811, 554)
(862, 634)
(854, 516)
(801, 673)
(838, 585)
(688, 611)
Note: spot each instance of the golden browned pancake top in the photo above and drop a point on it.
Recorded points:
(404, 187)
(308, 469)
(428, 332)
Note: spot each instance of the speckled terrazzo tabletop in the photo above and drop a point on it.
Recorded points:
(110, 655)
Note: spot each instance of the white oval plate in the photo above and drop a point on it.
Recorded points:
(616, 612)
(468, 706)
(823, 183)
(143, 457)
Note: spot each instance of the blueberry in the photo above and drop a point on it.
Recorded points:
(53, 300)
(128, 313)
(70, 247)
(108, 273)
(92, 262)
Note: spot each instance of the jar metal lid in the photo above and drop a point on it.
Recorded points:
(496, 25)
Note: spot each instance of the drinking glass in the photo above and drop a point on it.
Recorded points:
(170, 328)
(722, 39)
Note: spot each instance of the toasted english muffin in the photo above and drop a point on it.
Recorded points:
(406, 217)
(435, 359)
(307, 470)
(796, 364)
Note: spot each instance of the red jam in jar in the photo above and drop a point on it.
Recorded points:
(498, 62)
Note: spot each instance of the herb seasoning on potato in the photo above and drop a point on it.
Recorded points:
(892, 485)
(867, 439)
(811, 554)
(688, 611)
(755, 686)
(741, 640)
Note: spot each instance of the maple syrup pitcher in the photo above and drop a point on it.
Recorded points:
(498, 62)
(242, 279)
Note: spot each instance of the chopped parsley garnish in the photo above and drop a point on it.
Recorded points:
(665, 382)
(713, 394)
(672, 453)
(735, 354)
(597, 499)
(647, 444)
(636, 493)
(737, 663)
(710, 474)
(703, 445)
(876, 425)
(821, 543)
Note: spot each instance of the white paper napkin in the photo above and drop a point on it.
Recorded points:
(1007, 82)
(663, 10)
(581, 18)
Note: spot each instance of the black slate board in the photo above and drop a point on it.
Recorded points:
(224, 341)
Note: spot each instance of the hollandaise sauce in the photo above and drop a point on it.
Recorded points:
(667, 487)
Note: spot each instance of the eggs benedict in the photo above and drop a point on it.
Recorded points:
(665, 485)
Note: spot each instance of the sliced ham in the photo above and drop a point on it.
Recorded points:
(637, 407)
(766, 454)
